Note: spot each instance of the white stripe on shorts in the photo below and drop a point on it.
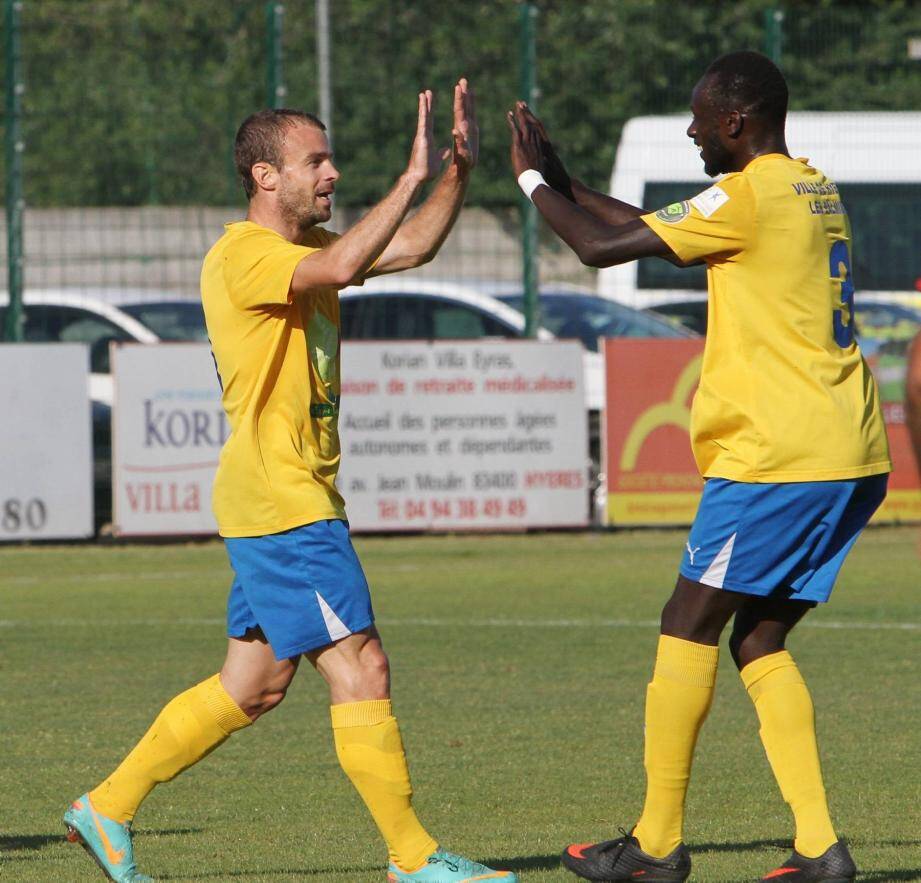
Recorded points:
(335, 626)
(716, 572)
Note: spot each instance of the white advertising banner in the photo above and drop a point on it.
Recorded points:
(46, 456)
(168, 427)
(463, 436)
(459, 436)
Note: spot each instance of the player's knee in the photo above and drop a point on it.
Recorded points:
(262, 702)
(262, 698)
(746, 648)
(368, 678)
(691, 624)
(375, 673)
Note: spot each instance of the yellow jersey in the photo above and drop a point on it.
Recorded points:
(785, 394)
(277, 359)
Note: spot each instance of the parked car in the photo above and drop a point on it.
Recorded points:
(882, 326)
(170, 319)
(582, 314)
(391, 308)
(64, 316)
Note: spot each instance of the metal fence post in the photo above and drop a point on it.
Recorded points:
(275, 71)
(15, 204)
(324, 76)
(528, 92)
(773, 34)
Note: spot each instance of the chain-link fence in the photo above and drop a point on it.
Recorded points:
(128, 112)
(119, 118)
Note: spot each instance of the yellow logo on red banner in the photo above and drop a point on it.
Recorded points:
(652, 478)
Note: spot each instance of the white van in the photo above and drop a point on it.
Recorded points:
(872, 156)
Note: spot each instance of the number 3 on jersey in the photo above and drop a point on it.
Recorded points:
(843, 306)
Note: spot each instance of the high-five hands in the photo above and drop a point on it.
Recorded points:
(554, 170)
(526, 149)
(539, 153)
(466, 131)
(426, 157)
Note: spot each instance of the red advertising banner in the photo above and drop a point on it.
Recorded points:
(651, 474)
(652, 478)
(903, 502)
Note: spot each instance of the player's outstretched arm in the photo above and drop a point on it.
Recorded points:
(350, 256)
(602, 206)
(605, 208)
(597, 243)
(418, 239)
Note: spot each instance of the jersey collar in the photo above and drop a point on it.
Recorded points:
(768, 156)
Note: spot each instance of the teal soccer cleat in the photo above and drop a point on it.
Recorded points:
(108, 842)
(446, 867)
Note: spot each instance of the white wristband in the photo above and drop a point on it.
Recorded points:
(529, 180)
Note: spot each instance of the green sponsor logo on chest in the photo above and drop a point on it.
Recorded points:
(319, 410)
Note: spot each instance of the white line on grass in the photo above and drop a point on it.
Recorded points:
(435, 622)
(100, 577)
(206, 573)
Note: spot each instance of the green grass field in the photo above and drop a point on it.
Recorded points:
(520, 665)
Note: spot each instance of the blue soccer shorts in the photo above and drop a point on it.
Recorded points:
(304, 588)
(783, 540)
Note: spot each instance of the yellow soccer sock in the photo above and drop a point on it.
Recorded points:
(189, 727)
(677, 702)
(787, 719)
(370, 751)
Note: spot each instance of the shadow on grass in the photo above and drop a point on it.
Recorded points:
(788, 844)
(271, 872)
(882, 876)
(525, 862)
(164, 832)
(740, 847)
(28, 841)
(17, 842)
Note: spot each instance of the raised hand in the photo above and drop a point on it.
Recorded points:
(425, 158)
(554, 171)
(466, 131)
(526, 148)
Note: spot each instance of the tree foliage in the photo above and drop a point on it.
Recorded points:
(134, 102)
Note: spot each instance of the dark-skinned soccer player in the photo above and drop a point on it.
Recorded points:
(786, 430)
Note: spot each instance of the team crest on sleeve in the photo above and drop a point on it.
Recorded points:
(674, 213)
(710, 200)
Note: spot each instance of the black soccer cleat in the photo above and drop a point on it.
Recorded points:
(835, 865)
(622, 859)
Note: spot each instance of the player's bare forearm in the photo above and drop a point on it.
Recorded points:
(350, 256)
(597, 244)
(614, 211)
(418, 239)
(602, 206)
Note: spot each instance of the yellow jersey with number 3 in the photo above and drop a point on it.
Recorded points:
(277, 358)
(785, 394)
